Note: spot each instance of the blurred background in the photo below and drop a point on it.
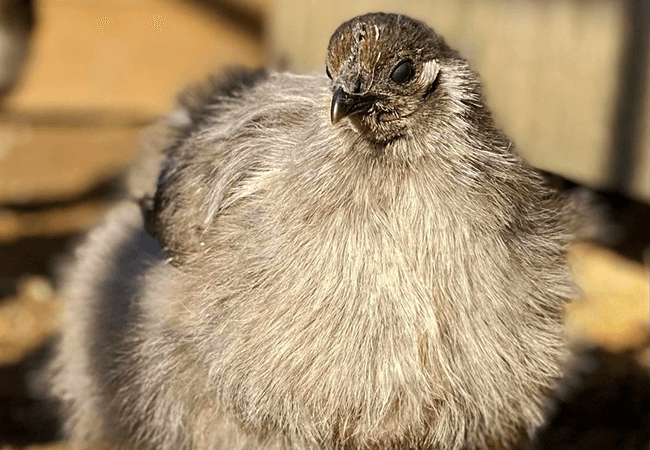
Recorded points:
(81, 79)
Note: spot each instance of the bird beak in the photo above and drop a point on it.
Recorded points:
(344, 104)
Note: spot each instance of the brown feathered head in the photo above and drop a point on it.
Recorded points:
(383, 67)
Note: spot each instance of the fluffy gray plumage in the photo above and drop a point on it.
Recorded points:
(354, 263)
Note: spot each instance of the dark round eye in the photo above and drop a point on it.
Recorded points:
(402, 72)
(327, 71)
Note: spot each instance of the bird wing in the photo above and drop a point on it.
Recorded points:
(233, 133)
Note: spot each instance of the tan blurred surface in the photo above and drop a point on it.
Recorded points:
(42, 162)
(27, 319)
(55, 221)
(614, 308)
(128, 55)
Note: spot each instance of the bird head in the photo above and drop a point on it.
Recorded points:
(382, 67)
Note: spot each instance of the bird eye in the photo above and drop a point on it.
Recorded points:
(402, 72)
(327, 71)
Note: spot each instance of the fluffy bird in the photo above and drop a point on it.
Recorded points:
(353, 260)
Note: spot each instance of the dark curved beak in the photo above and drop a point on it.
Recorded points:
(344, 104)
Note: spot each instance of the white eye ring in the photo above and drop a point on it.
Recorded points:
(429, 72)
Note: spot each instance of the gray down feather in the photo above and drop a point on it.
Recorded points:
(361, 262)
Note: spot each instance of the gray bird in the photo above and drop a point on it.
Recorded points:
(353, 262)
